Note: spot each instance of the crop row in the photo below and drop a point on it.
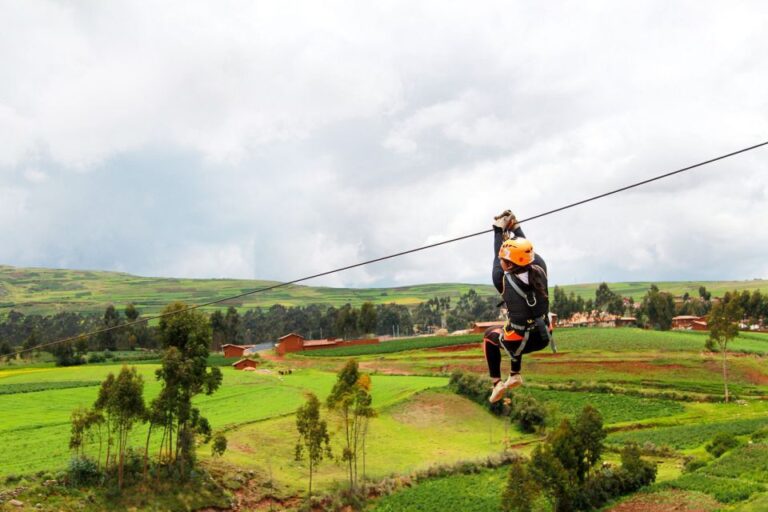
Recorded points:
(32, 387)
(461, 493)
(688, 436)
(614, 408)
(396, 346)
(748, 462)
(725, 490)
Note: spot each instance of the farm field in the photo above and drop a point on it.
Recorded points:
(48, 291)
(648, 385)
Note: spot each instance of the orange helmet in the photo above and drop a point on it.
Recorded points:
(518, 251)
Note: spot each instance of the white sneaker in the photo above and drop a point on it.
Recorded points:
(498, 390)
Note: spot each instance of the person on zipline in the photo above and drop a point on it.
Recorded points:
(520, 276)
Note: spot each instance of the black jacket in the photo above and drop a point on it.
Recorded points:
(518, 310)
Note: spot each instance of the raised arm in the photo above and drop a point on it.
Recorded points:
(502, 221)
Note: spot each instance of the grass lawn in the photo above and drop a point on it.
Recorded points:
(432, 427)
(34, 426)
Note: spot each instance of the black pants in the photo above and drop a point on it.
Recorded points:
(494, 343)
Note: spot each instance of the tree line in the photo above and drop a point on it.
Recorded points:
(253, 326)
(120, 406)
(657, 308)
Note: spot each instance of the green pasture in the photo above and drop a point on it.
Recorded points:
(419, 423)
(598, 340)
(478, 492)
(688, 436)
(614, 408)
(429, 428)
(48, 291)
(34, 426)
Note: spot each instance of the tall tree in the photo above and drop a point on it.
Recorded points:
(603, 296)
(218, 330)
(232, 327)
(314, 440)
(520, 491)
(659, 307)
(108, 339)
(185, 373)
(350, 398)
(131, 313)
(125, 406)
(723, 327)
(366, 321)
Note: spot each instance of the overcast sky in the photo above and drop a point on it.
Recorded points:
(278, 139)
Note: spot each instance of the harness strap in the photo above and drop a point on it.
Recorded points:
(514, 356)
(519, 291)
(536, 323)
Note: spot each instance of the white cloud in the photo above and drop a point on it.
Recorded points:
(194, 139)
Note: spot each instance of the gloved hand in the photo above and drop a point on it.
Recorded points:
(505, 221)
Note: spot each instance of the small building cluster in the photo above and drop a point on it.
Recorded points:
(296, 343)
(690, 322)
(598, 319)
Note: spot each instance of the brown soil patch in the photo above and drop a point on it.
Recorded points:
(475, 368)
(430, 409)
(456, 348)
(754, 376)
(386, 368)
(242, 448)
(669, 501)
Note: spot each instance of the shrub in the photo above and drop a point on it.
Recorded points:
(95, 357)
(691, 464)
(219, 445)
(721, 443)
(760, 436)
(475, 388)
(529, 414)
(83, 471)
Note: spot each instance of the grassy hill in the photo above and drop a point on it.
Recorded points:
(47, 291)
(651, 387)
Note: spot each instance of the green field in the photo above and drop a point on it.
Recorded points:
(471, 493)
(48, 291)
(645, 384)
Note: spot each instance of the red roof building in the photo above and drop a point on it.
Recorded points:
(231, 350)
(296, 343)
(245, 363)
(686, 321)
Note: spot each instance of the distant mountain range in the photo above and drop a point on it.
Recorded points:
(47, 291)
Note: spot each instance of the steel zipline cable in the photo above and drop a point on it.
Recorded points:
(390, 256)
